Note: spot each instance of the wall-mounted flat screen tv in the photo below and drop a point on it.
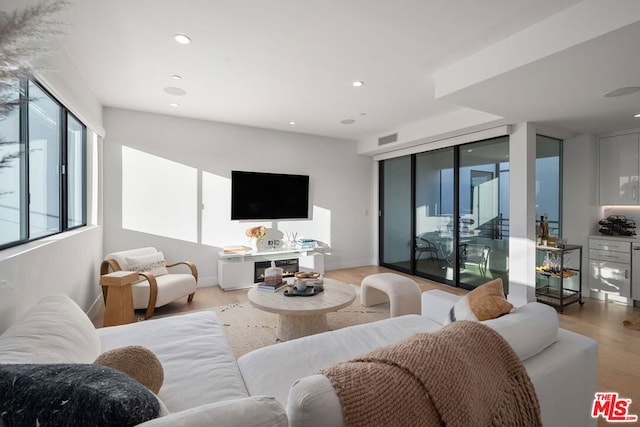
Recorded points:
(259, 196)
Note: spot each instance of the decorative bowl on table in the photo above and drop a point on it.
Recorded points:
(307, 275)
(311, 279)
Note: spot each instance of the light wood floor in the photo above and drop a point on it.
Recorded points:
(619, 347)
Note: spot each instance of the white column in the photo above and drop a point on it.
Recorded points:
(522, 214)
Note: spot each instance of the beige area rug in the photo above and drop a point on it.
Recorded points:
(632, 324)
(248, 328)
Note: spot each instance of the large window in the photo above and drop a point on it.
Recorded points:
(445, 213)
(42, 168)
(549, 182)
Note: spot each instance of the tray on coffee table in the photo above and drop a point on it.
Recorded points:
(308, 292)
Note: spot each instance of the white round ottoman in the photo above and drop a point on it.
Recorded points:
(402, 293)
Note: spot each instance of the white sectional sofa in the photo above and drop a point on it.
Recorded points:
(204, 383)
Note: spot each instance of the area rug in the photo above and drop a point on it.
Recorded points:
(248, 328)
(632, 324)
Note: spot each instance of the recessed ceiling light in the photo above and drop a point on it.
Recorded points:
(174, 91)
(347, 121)
(176, 77)
(181, 38)
(358, 83)
(292, 123)
(174, 104)
(622, 91)
(637, 115)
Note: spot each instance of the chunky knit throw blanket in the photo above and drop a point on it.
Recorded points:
(463, 375)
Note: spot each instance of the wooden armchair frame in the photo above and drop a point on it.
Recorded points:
(151, 279)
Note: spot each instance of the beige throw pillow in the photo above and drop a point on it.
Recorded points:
(154, 264)
(485, 302)
(136, 361)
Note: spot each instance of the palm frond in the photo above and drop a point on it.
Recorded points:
(21, 35)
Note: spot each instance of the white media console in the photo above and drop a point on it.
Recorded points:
(237, 270)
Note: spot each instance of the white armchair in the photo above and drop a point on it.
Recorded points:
(156, 286)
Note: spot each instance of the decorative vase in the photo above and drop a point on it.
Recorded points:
(256, 244)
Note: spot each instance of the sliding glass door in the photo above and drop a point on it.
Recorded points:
(434, 213)
(483, 194)
(444, 213)
(396, 220)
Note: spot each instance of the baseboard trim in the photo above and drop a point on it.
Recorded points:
(205, 282)
(96, 308)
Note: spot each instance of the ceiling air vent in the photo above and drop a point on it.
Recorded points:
(388, 139)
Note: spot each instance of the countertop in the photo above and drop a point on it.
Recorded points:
(606, 237)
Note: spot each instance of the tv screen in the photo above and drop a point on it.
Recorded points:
(259, 195)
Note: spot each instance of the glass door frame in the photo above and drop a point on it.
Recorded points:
(381, 216)
(455, 282)
(456, 224)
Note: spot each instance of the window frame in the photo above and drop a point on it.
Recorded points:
(24, 187)
(65, 183)
(542, 210)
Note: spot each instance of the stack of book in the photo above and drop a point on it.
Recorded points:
(271, 288)
(306, 244)
(235, 250)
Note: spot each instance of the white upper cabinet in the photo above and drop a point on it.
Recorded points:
(619, 168)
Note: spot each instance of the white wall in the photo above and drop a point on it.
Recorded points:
(580, 209)
(68, 85)
(522, 214)
(160, 170)
(67, 263)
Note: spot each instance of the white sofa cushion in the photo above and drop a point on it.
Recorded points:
(264, 376)
(529, 329)
(199, 365)
(170, 288)
(313, 402)
(55, 330)
(436, 304)
(249, 411)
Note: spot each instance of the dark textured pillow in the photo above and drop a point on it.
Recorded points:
(138, 362)
(485, 302)
(72, 394)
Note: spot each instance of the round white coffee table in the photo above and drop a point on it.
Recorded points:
(302, 316)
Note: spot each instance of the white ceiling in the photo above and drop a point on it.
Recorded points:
(265, 63)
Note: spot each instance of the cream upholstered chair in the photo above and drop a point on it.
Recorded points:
(156, 286)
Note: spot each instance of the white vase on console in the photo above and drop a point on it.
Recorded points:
(256, 244)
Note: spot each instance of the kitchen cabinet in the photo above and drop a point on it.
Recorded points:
(619, 169)
(559, 275)
(610, 266)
